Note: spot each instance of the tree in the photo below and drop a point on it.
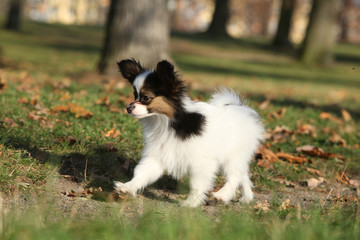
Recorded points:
(284, 26)
(135, 29)
(14, 15)
(220, 18)
(320, 35)
(345, 19)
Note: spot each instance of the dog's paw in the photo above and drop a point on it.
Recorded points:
(191, 202)
(247, 198)
(221, 196)
(124, 188)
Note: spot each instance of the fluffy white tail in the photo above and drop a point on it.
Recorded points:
(224, 97)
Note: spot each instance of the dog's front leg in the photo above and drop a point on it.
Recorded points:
(146, 172)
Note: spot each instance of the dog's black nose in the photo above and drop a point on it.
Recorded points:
(130, 108)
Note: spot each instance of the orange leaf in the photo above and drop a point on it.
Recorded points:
(315, 151)
(341, 177)
(337, 139)
(66, 96)
(325, 115)
(115, 109)
(34, 99)
(266, 158)
(23, 100)
(306, 129)
(291, 158)
(103, 101)
(265, 104)
(313, 182)
(328, 116)
(79, 111)
(346, 115)
(3, 82)
(10, 122)
(277, 114)
(60, 108)
(314, 171)
(113, 133)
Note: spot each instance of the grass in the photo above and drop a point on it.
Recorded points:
(278, 224)
(38, 143)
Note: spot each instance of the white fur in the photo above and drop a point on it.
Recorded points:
(139, 81)
(229, 139)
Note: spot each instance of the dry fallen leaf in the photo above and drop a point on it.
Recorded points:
(346, 115)
(337, 139)
(81, 93)
(103, 101)
(265, 157)
(313, 182)
(3, 82)
(342, 178)
(9, 122)
(286, 205)
(47, 124)
(279, 134)
(354, 183)
(33, 116)
(291, 158)
(329, 116)
(115, 109)
(315, 151)
(265, 104)
(262, 206)
(126, 99)
(110, 147)
(113, 133)
(306, 129)
(64, 83)
(277, 114)
(60, 108)
(70, 140)
(23, 100)
(282, 180)
(66, 96)
(314, 171)
(79, 111)
(34, 100)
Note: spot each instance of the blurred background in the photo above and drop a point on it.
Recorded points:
(260, 41)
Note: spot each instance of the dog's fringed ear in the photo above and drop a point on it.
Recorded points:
(129, 69)
(169, 78)
(165, 71)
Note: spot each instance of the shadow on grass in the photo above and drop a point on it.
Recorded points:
(334, 109)
(259, 43)
(278, 77)
(99, 169)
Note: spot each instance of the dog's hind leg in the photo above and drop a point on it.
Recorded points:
(201, 182)
(236, 172)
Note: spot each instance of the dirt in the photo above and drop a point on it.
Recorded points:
(72, 198)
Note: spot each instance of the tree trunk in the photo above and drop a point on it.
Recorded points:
(14, 15)
(284, 26)
(320, 35)
(135, 29)
(345, 20)
(221, 15)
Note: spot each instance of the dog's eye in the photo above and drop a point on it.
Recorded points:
(145, 99)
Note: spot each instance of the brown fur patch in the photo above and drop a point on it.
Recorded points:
(160, 105)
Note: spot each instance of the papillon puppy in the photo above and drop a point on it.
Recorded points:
(185, 137)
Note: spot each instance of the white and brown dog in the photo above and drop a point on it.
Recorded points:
(187, 137)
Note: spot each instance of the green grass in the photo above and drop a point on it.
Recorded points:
(32, 152)
(277, 224)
